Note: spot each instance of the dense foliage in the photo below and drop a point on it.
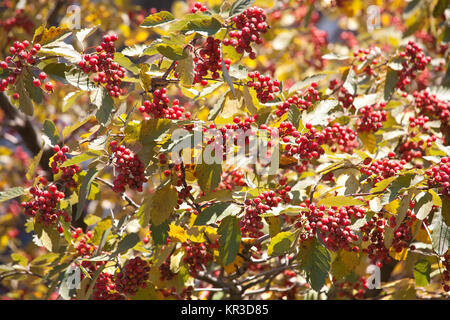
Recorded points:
(105, 181)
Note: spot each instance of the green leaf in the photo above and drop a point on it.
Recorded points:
(84, 191)
(20, 259)
(134, 51)
(185, 70)
(216, 211)
(239, 6)
(201, 23)
(48, 236)
(70, 99)
(333, 56)
(217, 107)
(126, 63)
(423, 205)
(294, 115)
(440, 7)
(320, 115)
(51, 135)
(390, 83)
(306, 82)
(208, 176)
(440, 234)
(25, 103)
(78, 79)
(158, 206)
(102, 242)
(280, 244)
(315, 260)
(351, 82)
(226, 77)
(422, 271)
(157, 19)
(171, 51)
(160, 232)
(366, 100)
(80, 158)
(11, 193)
(230, 239)
(238, 71)
(445, 209)
(128, 242)
(104, 103)
(34, 165)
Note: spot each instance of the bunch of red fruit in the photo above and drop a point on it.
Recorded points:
(159, 106)
(209, 59)
(130, 167)
(67, 172)
(332, 225)
(107, 72)
(247, 28)
(134, 275)
(439, 176)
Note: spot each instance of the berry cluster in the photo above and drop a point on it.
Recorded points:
(332, 225)
(306, 146)
(343, 136)
(247, 28)
(369, 58)
(319, 40)
(134, 275)
(231, 179)
(371, 118)
(19, 59)
(209, 59)
(382, 169)
(242, 128)
(130, 167)
(446, 273)
(159, 106)
(344, 97)
(303, 102)
(198, 7)
(352, 290)
(20, 19)
(373, 231)
(432, 107)
(251, 224)
(105, 288)
(412, 149)
(414, 60)
(107, 72)
(186, 294)
(67, 173)
(402, 234)
(349, 39)
(439, 176)
(164, 269)
(44, 205)
(419, 122)
(197, 256)
(264, 86)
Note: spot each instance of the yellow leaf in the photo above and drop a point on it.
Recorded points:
(399, 256)
(369, 140)
(344, 264)
(234, 266)
(177, 233)
(274, 225)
